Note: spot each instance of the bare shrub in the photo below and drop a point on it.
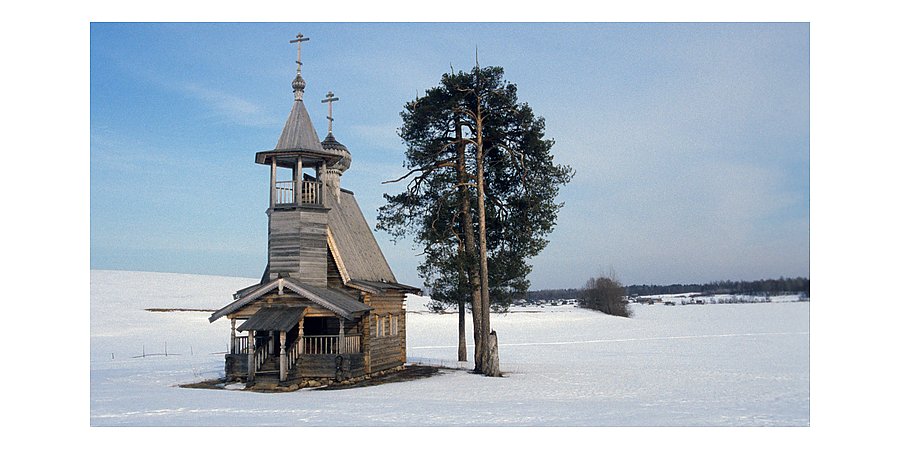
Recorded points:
(607, 295)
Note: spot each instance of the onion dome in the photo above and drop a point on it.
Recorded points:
(331, 145)
(298, 85)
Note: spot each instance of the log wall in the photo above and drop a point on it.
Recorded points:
(335, 281)
(385, 351)
(298, 244)
(325, 366)
(235, 366)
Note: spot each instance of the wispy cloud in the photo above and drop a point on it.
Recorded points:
(230, 107)
(381, 136)
(115, 151)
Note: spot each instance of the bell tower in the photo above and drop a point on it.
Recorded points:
(298, 204)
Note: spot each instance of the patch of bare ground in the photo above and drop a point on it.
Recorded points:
(409, 373)
(206, 384)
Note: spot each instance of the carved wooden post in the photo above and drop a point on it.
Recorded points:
(251, 355)
(233, 338)
(282, 359)
(341, 338)
(300, 337)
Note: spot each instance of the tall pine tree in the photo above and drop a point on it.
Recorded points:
(480, 196)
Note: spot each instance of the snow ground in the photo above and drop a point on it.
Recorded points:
(702, 365)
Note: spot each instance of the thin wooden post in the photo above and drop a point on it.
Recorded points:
(300, 336)
(341, 338)
(272, 186)
(233, 338)
(282, 358)
(251, 356)
(298, 178)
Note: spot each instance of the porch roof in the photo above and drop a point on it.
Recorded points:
(379, 287)
(333, 300)
(274, 318)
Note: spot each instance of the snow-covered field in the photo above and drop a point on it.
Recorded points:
(698, 365)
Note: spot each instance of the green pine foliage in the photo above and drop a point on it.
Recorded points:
(521, 185)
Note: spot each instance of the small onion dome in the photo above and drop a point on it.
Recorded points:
(298, 85)
(331, 144)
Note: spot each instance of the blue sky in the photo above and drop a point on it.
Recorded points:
(690, 141)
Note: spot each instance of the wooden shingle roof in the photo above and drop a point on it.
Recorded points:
(298, 132)
(354, 243)
(379, 287)
(275, 318)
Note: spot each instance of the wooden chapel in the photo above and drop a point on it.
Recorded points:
(328, 307)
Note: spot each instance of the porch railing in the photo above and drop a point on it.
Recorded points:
(262, 352)
(294, 353)
(310, 193)
(330, 344)
(241, 345)
(351, 344)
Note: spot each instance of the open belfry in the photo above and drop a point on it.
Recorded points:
(328, 307)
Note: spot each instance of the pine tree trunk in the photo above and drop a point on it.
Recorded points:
(461, 351)
(461, 305)
(461, 301)
(469, 242)
(488, 358)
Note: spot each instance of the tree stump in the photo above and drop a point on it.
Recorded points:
(492, 362)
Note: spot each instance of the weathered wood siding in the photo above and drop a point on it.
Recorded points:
(298, 244)
(236, 365)
(308, 366)
(325, 366)
(335, 281)
(387, 351)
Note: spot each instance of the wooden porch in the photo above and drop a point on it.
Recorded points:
(285, 329)
(285, 349)
(323, 356)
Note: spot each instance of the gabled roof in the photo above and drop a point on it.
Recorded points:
(333, 300)
(354, 245)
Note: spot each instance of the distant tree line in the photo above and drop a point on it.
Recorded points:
(553, 294)
(759, 287)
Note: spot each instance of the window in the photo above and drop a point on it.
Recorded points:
(386, 325)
